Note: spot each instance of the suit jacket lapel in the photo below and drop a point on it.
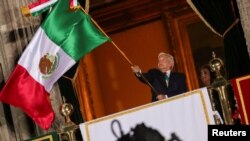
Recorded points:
(162, 79)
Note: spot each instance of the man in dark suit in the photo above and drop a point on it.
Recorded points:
(163, 81)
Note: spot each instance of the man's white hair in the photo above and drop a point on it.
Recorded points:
(169, 56)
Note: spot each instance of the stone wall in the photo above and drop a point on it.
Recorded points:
(244, 10)
(15, 33)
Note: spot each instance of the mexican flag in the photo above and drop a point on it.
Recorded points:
(37, 7)
(63, 38)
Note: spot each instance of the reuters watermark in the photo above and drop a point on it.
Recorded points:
(241, 132)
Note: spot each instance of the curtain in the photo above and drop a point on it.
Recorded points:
(220, 16)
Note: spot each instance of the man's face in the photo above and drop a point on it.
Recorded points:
(164, 64)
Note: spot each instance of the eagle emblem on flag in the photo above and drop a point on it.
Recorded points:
(47, 64)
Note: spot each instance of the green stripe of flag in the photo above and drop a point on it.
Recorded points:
(73, 31)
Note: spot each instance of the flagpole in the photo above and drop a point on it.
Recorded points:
(122, 53)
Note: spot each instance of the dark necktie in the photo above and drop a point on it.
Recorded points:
(166, 78)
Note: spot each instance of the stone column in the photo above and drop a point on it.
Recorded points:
(244, 10)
